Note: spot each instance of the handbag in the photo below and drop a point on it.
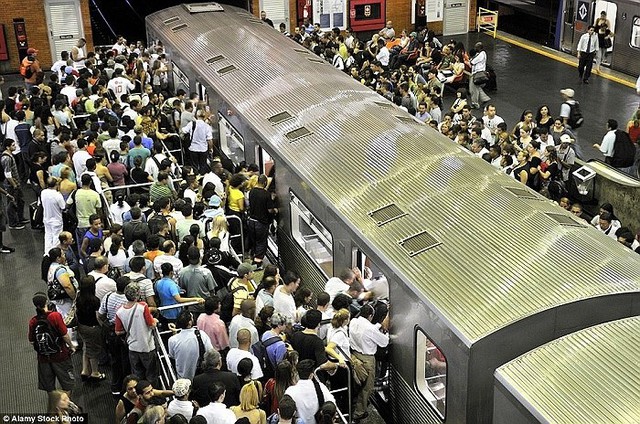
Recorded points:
(71, 320)
(55, 291)
(481, 78)
(607, 43)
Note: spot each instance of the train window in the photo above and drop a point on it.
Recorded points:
(373, 278)
(231, 142)
(431, 373)
(635, 32)
(311, 235)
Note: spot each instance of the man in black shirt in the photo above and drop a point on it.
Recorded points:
(211, 364)
(261, 207)
(309, 345)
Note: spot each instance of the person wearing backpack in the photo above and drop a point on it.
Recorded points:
(570, 110)
(48, 335)
(271, 349)
(30, 69)
(617, 148)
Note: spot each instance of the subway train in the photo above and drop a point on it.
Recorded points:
(480, 269)
(590, 376)
(624, 16)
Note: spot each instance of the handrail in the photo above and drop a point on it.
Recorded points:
(241, 235)
(488, 21)
(167, 375)
(344, 418)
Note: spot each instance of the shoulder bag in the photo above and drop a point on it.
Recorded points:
(320, 395)
(480, 78)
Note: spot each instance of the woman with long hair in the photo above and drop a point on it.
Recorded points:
(87, 305)
(183, 249)
(302, 299)
(544, 118)
(274, 388)
(61, 405)
(61, 283)
(117, 254)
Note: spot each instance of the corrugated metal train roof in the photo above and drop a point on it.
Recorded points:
(501, 258)
(591, 376)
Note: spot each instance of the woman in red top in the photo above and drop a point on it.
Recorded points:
(633, 127)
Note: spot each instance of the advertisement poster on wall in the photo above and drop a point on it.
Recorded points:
(434, 10)
(330, 13)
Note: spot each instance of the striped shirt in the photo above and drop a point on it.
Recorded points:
(110, 305)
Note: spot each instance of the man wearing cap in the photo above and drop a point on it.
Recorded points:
(588, 45)
(242, 286)
(32, 66)
(181, 404)
(134, 320)
(410, 50)
(214, 208)
(58, 365)
(184, 346)
(568, 102)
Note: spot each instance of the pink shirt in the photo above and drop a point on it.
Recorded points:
(214, 327)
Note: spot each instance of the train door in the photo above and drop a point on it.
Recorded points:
(277, 11)
(268, 168)
(201, 90)
(568, 18)
(64, 20)
(231, 142)
(610, 11)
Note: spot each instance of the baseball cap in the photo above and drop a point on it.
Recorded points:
(31, 50)
(245, 268)
(413, 34)
(566, 138)
(568, 92)
(181, 387)
(215, 201)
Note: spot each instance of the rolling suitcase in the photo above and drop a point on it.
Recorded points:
(36, 215)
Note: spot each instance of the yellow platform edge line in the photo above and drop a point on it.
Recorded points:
(566, 61)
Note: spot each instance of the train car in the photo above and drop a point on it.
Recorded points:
(624, 16)
(480, 268)
(590, 376)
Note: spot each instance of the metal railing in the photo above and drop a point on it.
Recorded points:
(488, 21)
(345, 418)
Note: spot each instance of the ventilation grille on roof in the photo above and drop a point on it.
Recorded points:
(384, 105)
(203, 7)
(171, 20)
(418, 243)
(303, 51)
(255, 20)
(226, 70)
(386, 214)
(407, 119)
(214, 59)
(297, 134)
(564, 220)
(179, 27)
(314, 60)
(280, 117)
(521, 193)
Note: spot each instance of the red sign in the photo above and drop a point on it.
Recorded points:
(4, 52)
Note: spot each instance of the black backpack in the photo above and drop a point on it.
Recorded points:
(45, 338)
(226, 305)
(575, 115)
(624, 151)
(259, 350)
(155, 222)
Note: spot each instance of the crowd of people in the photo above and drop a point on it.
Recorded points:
(243, 351)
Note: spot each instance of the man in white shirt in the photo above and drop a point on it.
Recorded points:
(609, 140)
(213, 177)
(184, 346)
(80, 158)
(342, 283)
(588, 45)
(491, 121)
(69, 89)
(216, 412)
(365, 338)
(608, 225)
(52, 204)
(236, 354)
(283, 301)
(169, 249)
(120, 46)
(383, 53)
(119, 84)
(304, 392)
(58, 67)
(104, 284)
(244, 320)
(201, 141)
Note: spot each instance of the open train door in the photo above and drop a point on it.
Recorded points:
(577, 17)
(610, 10)
(268, 167)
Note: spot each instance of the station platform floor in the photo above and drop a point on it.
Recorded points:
(528, 76)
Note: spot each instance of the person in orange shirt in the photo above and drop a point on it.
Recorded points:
(30, 69)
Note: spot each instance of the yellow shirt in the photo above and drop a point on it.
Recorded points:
(235, 200)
